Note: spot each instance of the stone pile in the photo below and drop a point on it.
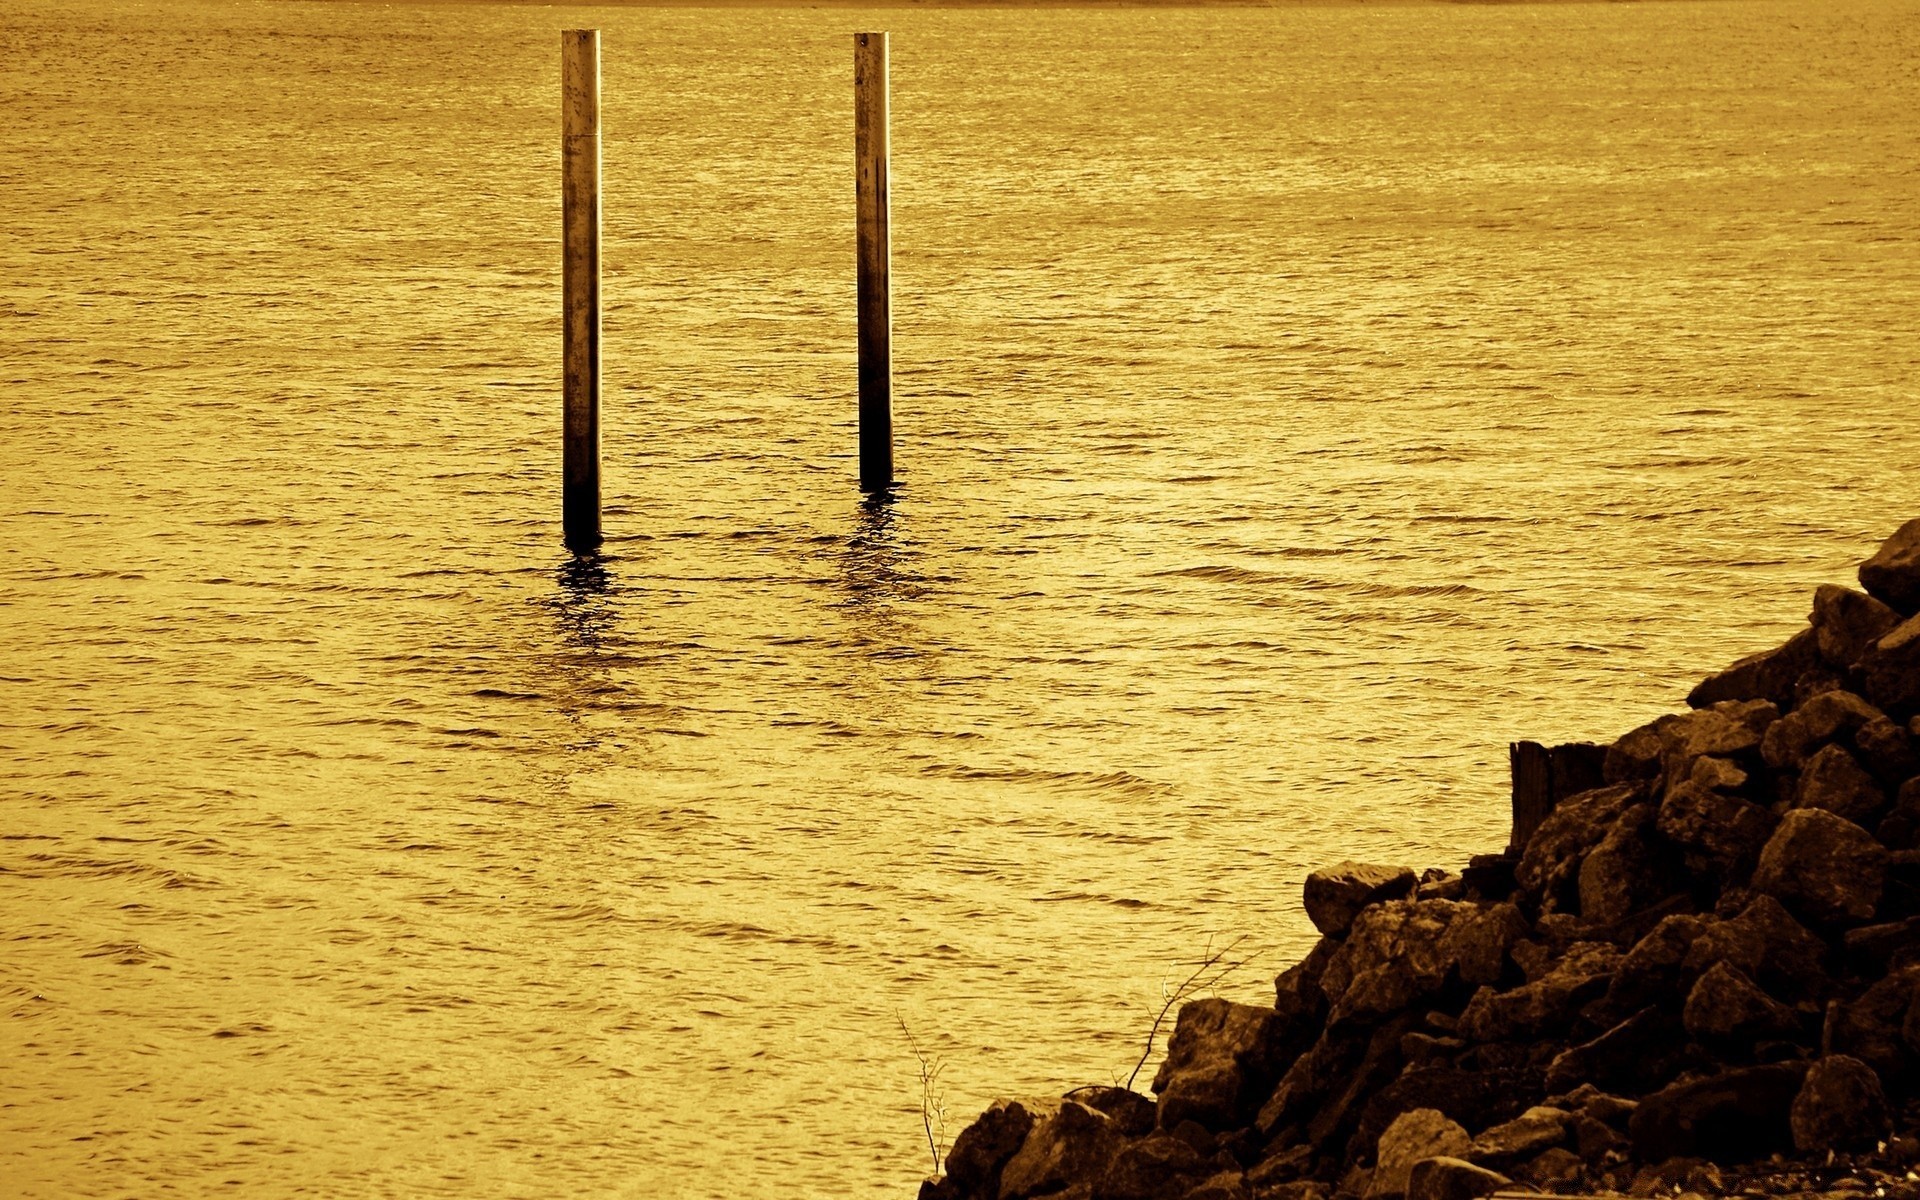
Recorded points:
(1702, 972)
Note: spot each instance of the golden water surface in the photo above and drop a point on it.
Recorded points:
(1294, 406)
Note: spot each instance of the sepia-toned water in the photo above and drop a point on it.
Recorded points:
(1294, 407)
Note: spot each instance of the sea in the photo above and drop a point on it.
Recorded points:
(1294, 406)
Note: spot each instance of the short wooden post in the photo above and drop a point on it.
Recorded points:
(875, 253)
(580, 285)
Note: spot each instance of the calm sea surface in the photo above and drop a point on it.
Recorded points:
(1294, 407)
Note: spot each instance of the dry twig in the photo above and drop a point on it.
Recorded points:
(1199, 981)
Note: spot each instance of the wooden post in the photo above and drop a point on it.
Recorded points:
(875, 254)
(580, 285)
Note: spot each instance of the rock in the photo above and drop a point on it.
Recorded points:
(1726, 1006)
(1552, 1169)
(1823, 866)
(1840, 1107)
(1419, 1134)
(1625, 872)
(1222, 1061)
(1833, 781)
(1872, 1026)
(1767, 945)
(1304, 1189)
(1872, 949)
(1549, 868)
(1478, 940)
(1636, 755)
(1886, 750)
(1651, 971)
(1446, 1178)
(1392, 956)
(1892, 575)
(1724, 828)
(1378, 1065)
(1225, 1185)
(1732, 1117)
(1822, 719)
(1890, 672)
(1522, 1138)
(1769, 675)
(1636, 1055)
(1068, 1146)
(1474, 1099)
(1546, 1004)
(1131, 1113)
(1846, 623)
(1314, 1073)
(1593, 1138)
(1153, 1168)
(983, 1148)
(1335, 895)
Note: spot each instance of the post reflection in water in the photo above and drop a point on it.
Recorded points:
(582, 661)
(876, 578)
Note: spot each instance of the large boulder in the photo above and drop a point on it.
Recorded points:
(1892, 575)
(1222, 1062)
(1825, 717)
(1549, 867)
(1846, 623)
(1823, 866)
(1154, 1167)
(983, 1148)
(1832, 780)
(1626, 871)
(1543, 1005)
(1395, 953)
(1769, 675)
(1720, 827)
(1890, 672)
(1735, 1116)
(1726, 1007)
(1335, 895)
(1416, 1135)
(1444, 1178)
(1069, 1145)
(1766, 944)
(1879, 1025)
(1512, 1142)
(1840, 1107)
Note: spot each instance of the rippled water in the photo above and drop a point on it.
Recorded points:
(1294, 406)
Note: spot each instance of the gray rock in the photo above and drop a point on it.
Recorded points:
(1413, 1136)
(1841, 1106)
(1890, 672)
(1335, 895)
(1846, 623)
(1224, 1185)
(1639, 1053)
(1767, 945)
(983, 1148)
(1479, 938)
(1892, 575)
(1832, 780)
(1524, 1137)
(1549, 867)
(1131, 1113)
(1722, 827)
(1068, 1146)
(1392, 956)
(1769, 675)
(1545, 1004)
(1446, 1178)
(1732, 1117)
(1652, 969)
(1726, 1006)
(1872, 1026)
(1624, 873)
(1886, 750)
(1222, 1061)
(1822, 719)
(1552, 1169)
(1823, 866)
(1152, 1168)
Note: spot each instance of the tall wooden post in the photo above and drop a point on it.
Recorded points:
(580, 284)
(875, 260)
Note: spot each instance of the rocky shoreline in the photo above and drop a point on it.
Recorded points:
(1695, 969)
